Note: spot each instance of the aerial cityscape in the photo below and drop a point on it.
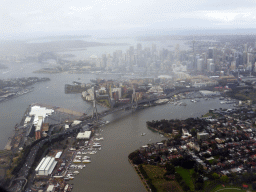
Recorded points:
(156, 96)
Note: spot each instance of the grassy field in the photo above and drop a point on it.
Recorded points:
(156, 174)
(186, 175)
(228, 188)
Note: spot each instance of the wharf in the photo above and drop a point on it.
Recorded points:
(61, 110)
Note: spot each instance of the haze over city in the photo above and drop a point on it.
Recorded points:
(117, 17)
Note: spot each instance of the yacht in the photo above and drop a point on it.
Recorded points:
(77, 161)
(86, 161)
(96, 145)
(86, 157)
(76, 172)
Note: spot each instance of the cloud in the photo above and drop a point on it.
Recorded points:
(62, 15)
(80, 9)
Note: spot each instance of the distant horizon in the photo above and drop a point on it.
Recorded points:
(129, 33)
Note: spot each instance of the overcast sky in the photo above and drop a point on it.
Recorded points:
(17, 16)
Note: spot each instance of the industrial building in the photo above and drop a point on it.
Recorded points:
(39, 114)
(46, 166)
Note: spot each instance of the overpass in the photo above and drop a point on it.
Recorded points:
(107, 112)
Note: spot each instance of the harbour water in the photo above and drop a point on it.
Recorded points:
(110, 169)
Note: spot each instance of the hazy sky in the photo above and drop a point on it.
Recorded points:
(71, 15)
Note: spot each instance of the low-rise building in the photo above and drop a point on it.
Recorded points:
(202, 136)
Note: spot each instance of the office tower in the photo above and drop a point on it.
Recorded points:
(153, 48)
(139, 47)
(244, 57)
(210, 53)
(200, 64)
(209, 61)
(245, 48)
(212, 67)
(104, 61)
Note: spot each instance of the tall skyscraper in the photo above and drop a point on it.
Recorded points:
(139, 47)
(200, 64)
(210, 53)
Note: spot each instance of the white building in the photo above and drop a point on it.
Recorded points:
(84, 135)
(57, 156)
(50, 188)
(37, 111)
(46, 166)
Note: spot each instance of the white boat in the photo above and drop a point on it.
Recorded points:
(86, 157)
(99, 148)
(87, 161)
(77, 161)
(76, 172)
(161, 135)
(73, 166)
(96, 145)
(80, 166)
(143, 134)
